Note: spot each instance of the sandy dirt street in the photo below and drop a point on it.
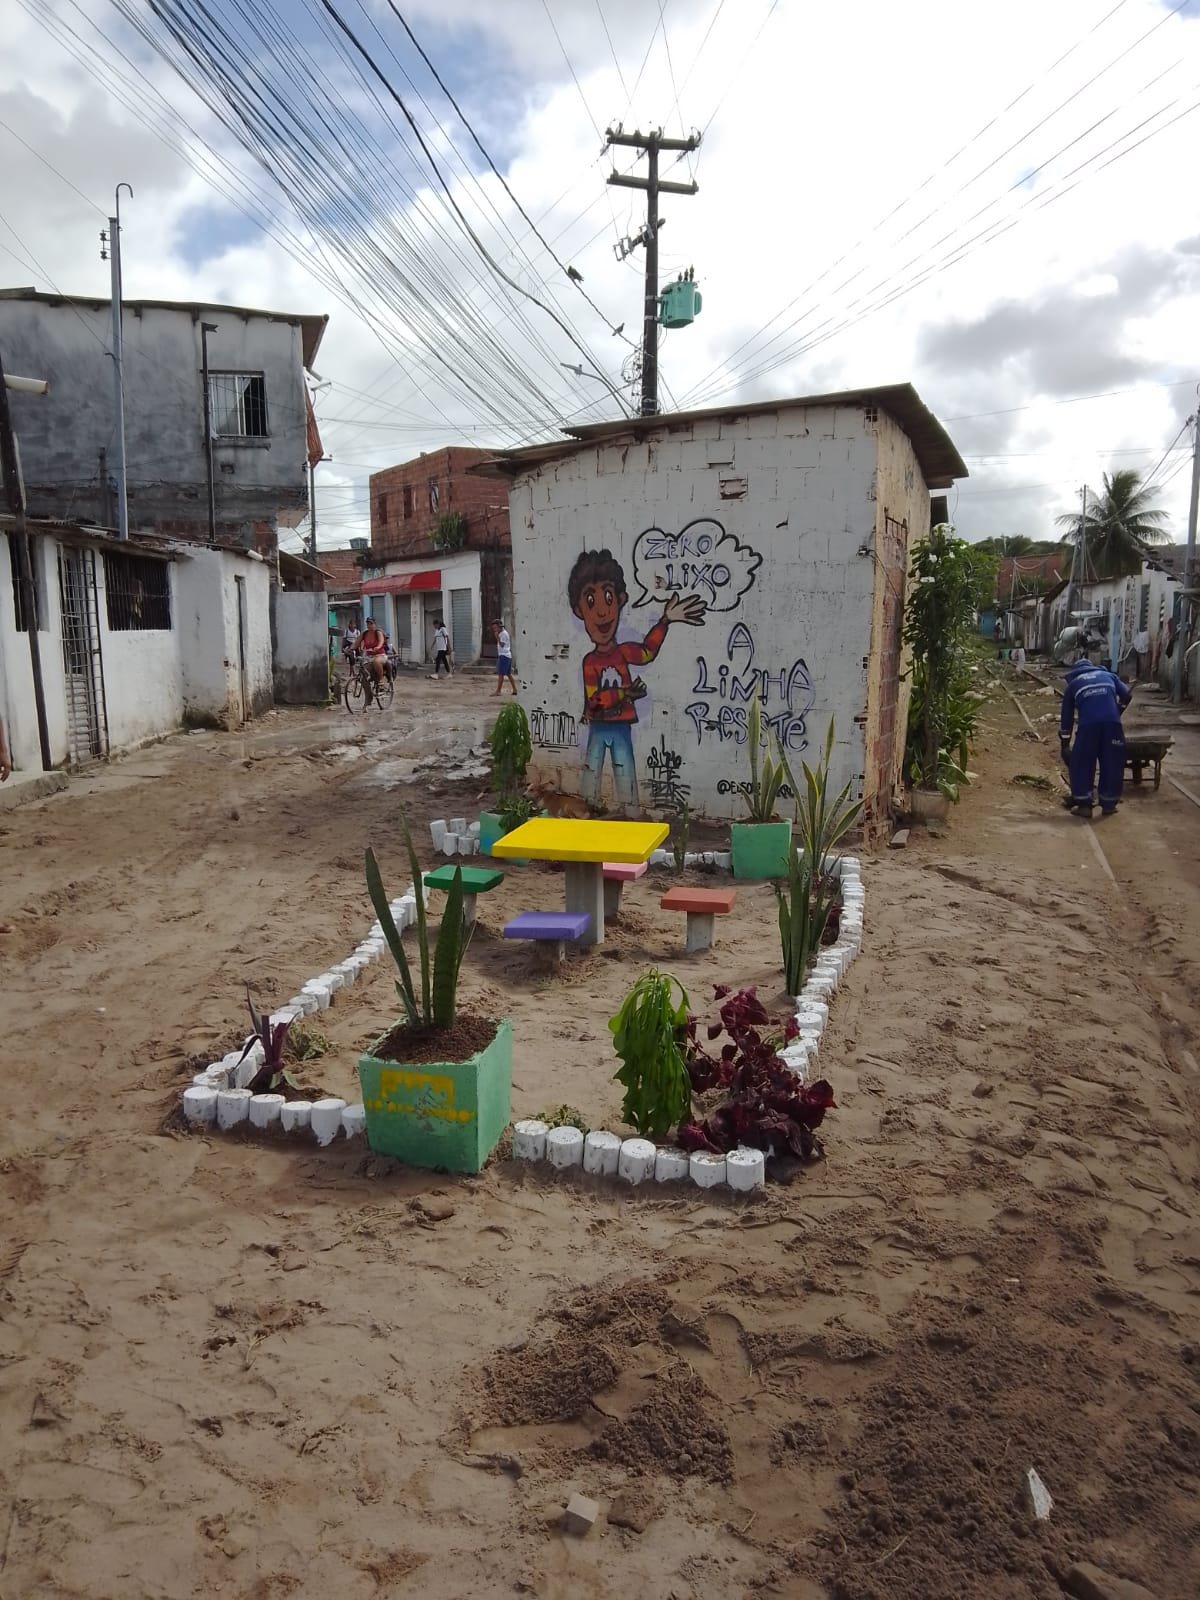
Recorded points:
(256, 1371)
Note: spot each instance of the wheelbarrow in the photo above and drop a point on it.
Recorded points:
(1145, 750)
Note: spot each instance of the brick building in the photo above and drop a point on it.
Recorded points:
(440, 547)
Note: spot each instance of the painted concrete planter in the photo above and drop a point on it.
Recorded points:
(760, 849)
(440, 1114)
(489, 831)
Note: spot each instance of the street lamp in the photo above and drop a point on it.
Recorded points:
(205, 329)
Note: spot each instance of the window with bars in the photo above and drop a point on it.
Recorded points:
(39, 598)
(138, 593)
(1144, 608)
(238, 404)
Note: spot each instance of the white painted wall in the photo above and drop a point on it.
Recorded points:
(206, 594)
(143, 678)
(301, 654)
(789, 596)
(16, 672)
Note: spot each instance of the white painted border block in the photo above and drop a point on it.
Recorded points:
(200, 1106)
(564, 1147)
(529, 1139)
(334, 979)
(636, 1162)
(354, 1121)
(305, 1004)
(706, 1169)
(233, 1106)
(671, 1165)
(294, 1115)
(457, 825)
(601, 1153)
(745, 1169)
(265, 1109)
(326, 1119)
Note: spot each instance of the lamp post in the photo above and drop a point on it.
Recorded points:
(205, 329)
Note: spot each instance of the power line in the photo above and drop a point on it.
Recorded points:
(570, 68)
(50, 165)
(612, 49)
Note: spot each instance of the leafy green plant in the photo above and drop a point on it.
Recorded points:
(511, 748)
(648, 1035)
(306, 1044)
(273, 1037)
(766, 783)
(516, 809)
(449, 531)
(821, 822)
(680, 834)
(804, 907)
(938, 617)
(565, 1117)
(434, 1006)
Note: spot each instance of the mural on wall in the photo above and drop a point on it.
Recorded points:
(597, 595)
(668, 792)
(552, 730)
(785, 693)
(701, 561)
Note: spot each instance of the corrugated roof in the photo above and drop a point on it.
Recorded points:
(940, 462)
(312, 329)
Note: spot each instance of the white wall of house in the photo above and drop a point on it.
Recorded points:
(301, 656)
(207, 622)
(16, 671)
(143, 678)
(770, 520)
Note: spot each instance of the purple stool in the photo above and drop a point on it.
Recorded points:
(549, 931)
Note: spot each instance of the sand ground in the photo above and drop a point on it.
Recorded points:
(229, 1369)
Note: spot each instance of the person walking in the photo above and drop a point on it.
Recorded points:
(1093, 702)
(441, 649)
(503, 658)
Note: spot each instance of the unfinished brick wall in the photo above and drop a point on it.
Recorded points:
(408, 500)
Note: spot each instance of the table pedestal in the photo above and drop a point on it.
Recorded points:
(585, 892)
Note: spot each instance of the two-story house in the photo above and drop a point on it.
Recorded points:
(440, 547)
(258, 406)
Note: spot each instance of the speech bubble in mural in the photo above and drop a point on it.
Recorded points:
(702, 559)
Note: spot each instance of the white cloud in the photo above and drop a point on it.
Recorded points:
(848, 157)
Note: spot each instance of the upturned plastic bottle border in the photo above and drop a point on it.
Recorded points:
(218, 1098)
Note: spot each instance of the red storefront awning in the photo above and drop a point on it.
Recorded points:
(400, 582)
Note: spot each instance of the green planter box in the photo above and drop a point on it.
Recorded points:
(760, 849)
(440, 1114)
(489, 831)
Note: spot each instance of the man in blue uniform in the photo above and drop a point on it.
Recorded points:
(1095, 698)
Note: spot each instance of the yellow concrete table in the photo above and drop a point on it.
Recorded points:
(584, 846)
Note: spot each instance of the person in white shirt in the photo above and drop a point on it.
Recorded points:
(441, 650)
(504, 667)
(1017, 656)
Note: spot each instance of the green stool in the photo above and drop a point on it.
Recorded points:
(475, 880)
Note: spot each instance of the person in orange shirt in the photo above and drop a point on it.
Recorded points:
(374, 650)
(596, 592)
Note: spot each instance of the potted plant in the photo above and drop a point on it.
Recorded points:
(512, 750)
(648, 1034)
(437, 1087)
(942, 716)
(761, 847)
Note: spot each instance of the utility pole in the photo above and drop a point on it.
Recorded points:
(651, 143)
(205, 329)
(14, 487)
(112, 240)
(1183, 634)
(1079, 550)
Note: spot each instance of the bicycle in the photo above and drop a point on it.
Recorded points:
(362, 689)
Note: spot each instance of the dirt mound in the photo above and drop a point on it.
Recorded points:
(554, 1380)
(673, 1432)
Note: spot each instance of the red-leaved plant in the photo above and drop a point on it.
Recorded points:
(768, 1108)
(272, 1036)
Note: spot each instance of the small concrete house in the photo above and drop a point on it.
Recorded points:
(440, 547)
(259, 408)
(668, 568)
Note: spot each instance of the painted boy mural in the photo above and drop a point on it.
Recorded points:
(596, 592)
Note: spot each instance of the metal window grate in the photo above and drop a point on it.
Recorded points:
(138, 593)
(239, 405)
(39, 604)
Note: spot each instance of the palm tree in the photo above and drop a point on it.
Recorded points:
(1121, 524)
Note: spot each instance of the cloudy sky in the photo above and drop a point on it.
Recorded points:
(999, 210)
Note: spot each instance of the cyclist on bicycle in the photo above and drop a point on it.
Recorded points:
(374, 651)
(350, 643)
